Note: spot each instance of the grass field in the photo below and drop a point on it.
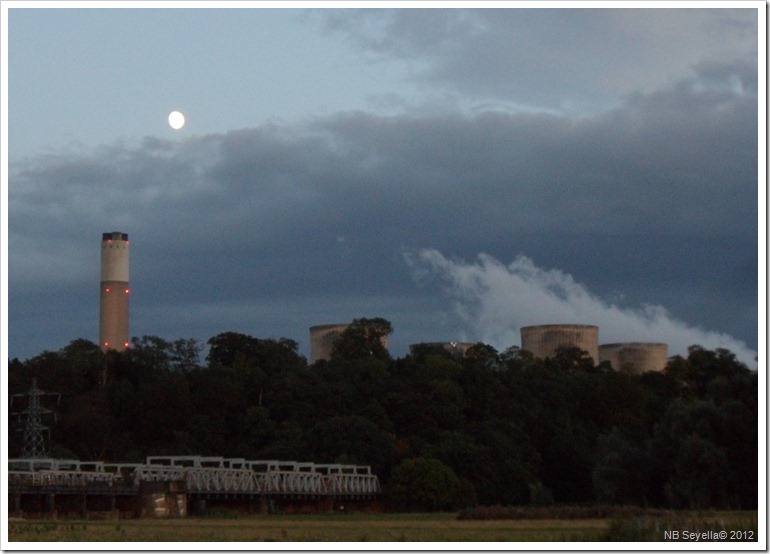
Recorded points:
(340, 528)
(335, 528)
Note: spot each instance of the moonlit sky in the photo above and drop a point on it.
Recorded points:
(440, 168)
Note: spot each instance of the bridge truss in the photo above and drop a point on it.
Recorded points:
(197, 475)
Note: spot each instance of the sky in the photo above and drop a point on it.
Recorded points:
(460, 172)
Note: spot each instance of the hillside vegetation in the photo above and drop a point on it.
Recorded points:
(443, 432)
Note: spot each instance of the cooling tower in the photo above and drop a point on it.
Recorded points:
(543, 340)
(322, 339)
(114, 292)
(635, 357)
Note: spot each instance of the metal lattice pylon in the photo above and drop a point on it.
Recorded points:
(34, 430)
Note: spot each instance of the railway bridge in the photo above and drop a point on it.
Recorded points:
(174, 486)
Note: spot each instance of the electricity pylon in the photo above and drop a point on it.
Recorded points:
(34, 440)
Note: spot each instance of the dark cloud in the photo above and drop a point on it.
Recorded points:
(274, 229)
(565, 59)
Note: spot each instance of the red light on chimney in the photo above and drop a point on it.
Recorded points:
(128, 290)
(106, 289)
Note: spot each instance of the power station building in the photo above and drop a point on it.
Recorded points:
(635, 357)
(543, 340)
(454, 348)
(114, 291)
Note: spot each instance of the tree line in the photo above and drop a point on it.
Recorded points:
(442, 430)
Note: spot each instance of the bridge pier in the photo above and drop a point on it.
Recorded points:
(265, 505)
(197, 506)
(162, 499)
(326, 504)
(50, 504)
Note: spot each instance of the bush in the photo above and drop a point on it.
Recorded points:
(424, 485)
(540, 495)
(599, 511)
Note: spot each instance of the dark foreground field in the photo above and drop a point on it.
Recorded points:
(369, 528)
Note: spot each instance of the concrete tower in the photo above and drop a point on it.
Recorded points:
(114, 292)
(322, 339)
(635, 357)
(543, 340)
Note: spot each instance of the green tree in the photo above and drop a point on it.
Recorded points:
(424, 485)
(420, 351)
(620, 472)
(84, 425)
(363, 338)
(481, 356)
(692, 449)
(698, 479)
(87, 360)
(514, 358)
(121, 400)
(227, 348)
(426, 399)
(238, 350)
(702, 366)
(515, 460)
(217, 405)
(185, 355)
(570, 358)
(351, 440)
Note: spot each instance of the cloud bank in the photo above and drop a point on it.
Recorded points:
(505, 55)
(496, 300)
(658, 194)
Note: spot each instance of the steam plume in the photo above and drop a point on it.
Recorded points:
(496, 300)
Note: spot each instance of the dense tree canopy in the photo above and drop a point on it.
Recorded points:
(494, 427)
(363, 338)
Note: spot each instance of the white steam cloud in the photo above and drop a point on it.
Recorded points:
(496, 300)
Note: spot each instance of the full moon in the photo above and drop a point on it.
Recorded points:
(176, 120)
